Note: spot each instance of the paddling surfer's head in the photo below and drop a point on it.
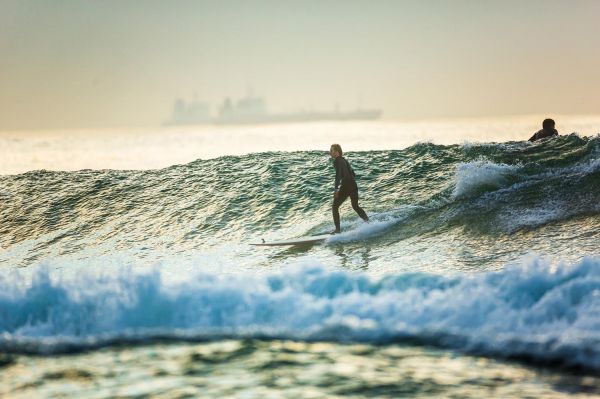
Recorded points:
(548, 124)
(336, 151)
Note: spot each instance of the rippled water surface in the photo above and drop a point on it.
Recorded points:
(283, 369)
(477, 276)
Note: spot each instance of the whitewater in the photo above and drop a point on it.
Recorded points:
(481, 259)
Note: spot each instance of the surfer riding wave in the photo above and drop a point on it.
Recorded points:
(345, 186)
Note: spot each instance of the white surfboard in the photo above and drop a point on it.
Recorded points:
(294, 241)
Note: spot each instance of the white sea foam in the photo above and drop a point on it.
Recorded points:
(378, 224)
(473, 176)
(537, 309)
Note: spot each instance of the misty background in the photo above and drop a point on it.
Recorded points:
(87, 64)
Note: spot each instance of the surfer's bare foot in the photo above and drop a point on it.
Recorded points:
(335, 232)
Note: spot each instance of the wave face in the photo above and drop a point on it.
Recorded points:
(536, 311)
(504, 198)
(113, 256)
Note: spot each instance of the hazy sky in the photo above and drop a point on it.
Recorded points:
(119, 63)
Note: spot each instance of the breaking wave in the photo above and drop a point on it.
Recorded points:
(535, 310)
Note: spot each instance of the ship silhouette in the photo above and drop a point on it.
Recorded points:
(253, 110)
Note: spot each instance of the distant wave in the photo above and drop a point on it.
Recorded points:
(535, 311)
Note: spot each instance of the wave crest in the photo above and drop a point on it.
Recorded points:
(482, 175)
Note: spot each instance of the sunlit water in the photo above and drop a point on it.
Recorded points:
(478, 275)
(159, 147)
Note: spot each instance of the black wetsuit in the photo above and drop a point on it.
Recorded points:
(345, 185)
(542, 134)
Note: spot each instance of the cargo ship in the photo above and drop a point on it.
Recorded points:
(253, 110)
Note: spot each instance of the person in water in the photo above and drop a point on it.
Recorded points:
(345, 186)
(548, 130)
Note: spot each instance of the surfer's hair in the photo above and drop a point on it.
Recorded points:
(338, 148)
(548, 124)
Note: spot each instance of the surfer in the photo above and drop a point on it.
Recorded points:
(345, 186)
(548, 130)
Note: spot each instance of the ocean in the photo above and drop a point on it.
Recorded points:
(126, 268)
